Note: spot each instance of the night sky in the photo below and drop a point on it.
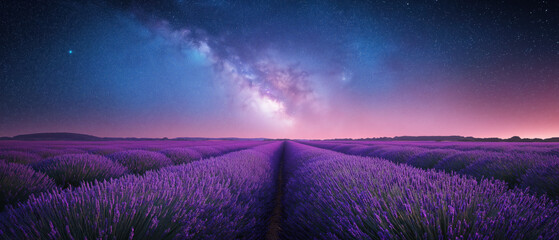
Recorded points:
(280, 69)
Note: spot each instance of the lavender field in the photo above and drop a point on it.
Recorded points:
(278, 190)
(315, 119)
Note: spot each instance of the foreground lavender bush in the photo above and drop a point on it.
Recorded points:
(349, 197)
(74, 169)
(18, 181)
(19, 157)
(140, 161)
(182, 155)
(222, 198)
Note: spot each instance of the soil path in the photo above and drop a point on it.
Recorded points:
(274, 227)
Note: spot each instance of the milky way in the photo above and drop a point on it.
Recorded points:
(313, 69)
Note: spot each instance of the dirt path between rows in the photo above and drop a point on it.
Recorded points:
(275, 221)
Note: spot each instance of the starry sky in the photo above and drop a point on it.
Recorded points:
(280, 69)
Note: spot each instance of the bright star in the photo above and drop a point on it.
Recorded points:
(70, 52)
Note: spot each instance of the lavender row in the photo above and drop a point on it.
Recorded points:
(536, 171)
(26, 152)
(74, 169)
(221, 198)
(503, 147)
(18, 181)
(351, 197)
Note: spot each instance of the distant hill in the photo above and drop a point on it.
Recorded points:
(61, 136)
